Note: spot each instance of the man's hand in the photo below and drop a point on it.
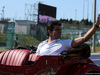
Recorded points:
(98, 20)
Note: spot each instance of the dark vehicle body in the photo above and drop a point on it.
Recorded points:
(20, 62)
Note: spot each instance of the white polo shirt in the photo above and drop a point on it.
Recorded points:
(53, 48)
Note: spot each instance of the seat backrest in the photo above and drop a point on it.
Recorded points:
(1, 55)
(32, 57)
(14, 57)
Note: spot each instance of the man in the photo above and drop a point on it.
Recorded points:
(54, 45)
(16, 40)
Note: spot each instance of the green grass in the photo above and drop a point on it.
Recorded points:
(97, 49)
(32, 40)
(1, 50)
(2, 39)
(28, 40)
(23, 40)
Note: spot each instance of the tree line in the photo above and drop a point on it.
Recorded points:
(82, 22)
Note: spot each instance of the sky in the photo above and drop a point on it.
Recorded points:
(66, 9)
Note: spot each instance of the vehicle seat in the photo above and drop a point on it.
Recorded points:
(31, 59)
(14, 57)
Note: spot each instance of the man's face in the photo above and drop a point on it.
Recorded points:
(56, 33)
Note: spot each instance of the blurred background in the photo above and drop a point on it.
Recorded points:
(29, 20)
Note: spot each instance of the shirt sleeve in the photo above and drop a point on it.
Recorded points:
(68, 43)
(38, 49)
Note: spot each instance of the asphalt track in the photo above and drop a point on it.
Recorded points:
(95, 57)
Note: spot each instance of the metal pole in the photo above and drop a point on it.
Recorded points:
(94, 24)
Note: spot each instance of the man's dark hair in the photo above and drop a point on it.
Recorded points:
(51, 25)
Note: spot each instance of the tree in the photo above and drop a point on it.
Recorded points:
(70, 21)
